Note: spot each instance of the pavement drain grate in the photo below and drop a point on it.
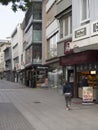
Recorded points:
(36, 102)
(12, 119)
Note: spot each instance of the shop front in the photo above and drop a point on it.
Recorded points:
(35, 75)
(87, 76)
(85, 64)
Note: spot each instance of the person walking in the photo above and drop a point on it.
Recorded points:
(67, 91)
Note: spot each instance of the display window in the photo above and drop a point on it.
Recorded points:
(87, 79)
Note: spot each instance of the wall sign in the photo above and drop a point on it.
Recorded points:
(80, 32)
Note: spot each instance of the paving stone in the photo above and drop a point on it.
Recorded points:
(12, 119)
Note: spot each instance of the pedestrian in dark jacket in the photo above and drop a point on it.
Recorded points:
(84, 81)
(67, 91)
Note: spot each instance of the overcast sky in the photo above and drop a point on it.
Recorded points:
(9, 21)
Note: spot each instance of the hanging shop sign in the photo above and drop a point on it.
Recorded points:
(67, 48)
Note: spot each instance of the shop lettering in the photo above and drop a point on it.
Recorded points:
(80, 33)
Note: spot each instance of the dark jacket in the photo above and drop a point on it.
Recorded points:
(67, 88)
(84, 82)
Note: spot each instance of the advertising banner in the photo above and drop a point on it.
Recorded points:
(87, 94)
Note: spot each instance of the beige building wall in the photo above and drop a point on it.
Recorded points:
(50, 15)
(44, 46)
(3, 46)
(16, 46)
(50, 27)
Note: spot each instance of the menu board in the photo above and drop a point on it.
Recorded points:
(87, 94)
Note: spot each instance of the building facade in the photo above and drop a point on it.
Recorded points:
(16, 48)
(3, 45)
(64, 44)
(85, 34)
(32, 43)
(60, 35)
(50, 39)
(84, 47)
(8, 64)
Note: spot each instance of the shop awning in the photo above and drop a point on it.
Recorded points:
(80, 58)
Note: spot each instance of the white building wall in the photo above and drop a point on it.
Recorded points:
(76, 10)
(85, 40)
(75, 13)
(20, 43)
(17, 39)
(2, 60)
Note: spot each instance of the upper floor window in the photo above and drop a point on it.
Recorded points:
(37, 10)
(16, 60)
(37, 32)
(65, 26)
(52, 46)
(15, 48)
(84, 10)
(37, 51)
(28, 55)
(61, 28)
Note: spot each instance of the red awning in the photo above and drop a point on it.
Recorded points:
(80, 58)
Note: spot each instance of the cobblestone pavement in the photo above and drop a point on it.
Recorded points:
(23, 108)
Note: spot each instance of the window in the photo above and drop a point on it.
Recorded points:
(28, 55)
(37, 53)
(37, 10)
(52, 46)
(70, 24)
(65, 26)
(14, 47)
(21, 58)
(84, 10)
(16, 60)
(37, 32)
(61, 28)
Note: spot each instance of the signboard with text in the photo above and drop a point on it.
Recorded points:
(87, 94)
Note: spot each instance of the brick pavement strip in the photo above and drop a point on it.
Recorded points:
(43, 109)
(12, 119)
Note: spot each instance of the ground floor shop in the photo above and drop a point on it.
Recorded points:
(34, 76)
(87, 77)
(79, 65)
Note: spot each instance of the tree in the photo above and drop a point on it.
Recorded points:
(17, 4)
